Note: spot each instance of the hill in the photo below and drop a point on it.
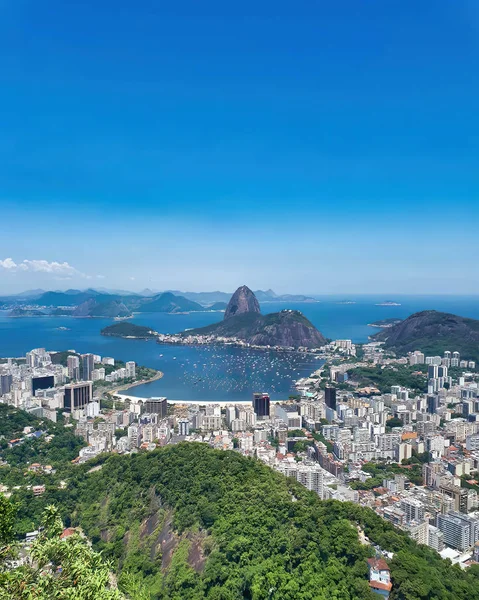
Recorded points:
(433, 332)
(218, 306)
(130, 330)
(169, 303)
(243, 321)
(95, 308)
(194, 523)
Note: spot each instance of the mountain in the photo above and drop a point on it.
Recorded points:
(128, 330)
(433, 332)
(218, 306)
(169, 303)
(270, 296)
(95, 308)
(242, 301)
(243, 321)
(191, 522)
(204, 298)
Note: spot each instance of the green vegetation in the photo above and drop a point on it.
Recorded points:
(61, 568)
(189, 522)
(127, 329)
(384, 378)
(433, 332)
(380, 471)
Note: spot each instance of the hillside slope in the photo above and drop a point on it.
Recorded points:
(433, 332)
(197, 523)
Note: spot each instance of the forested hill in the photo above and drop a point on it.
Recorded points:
(433, 332)
(197, 523)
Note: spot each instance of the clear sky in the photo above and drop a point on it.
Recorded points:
(310, 147)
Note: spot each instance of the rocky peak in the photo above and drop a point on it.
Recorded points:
(242, 301)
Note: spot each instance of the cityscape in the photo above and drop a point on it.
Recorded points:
(412, 458)
(239, 300)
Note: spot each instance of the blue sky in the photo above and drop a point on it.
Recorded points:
(310, 147)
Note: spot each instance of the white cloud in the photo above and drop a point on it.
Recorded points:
(60, 270)
(132, 278)
(8, 263)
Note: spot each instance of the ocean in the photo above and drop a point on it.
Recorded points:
(215, 373)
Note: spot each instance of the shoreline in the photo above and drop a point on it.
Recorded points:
(128, 386)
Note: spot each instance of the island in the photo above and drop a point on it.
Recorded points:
(385, 323)
(387, 303)
(126, 329)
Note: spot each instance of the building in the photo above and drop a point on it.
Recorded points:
(157, 406)
(261, 404)
(73, 366)
(6, 381)
(183, 427)
(42, 383)
(87, 366)
(435, 539)
(77, 395)
(460, 531)
(413, 509)
(289, 415)
(330, 397)
(130, 369)
(379, 576)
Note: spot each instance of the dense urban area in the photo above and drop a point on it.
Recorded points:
(398, 435)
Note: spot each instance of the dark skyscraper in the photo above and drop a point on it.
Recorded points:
(87, 366)
(77, 396)
(330, 397)
(5, 384)
(42, 383)
(158, 406)
(261, 404)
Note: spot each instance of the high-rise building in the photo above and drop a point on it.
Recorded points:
(5, 383)
(77, 395)
(130, 369)
(261, 404)
(87, 366)
(460, 531)
(73, 366)
(330, 397)
(183, 427)
(441, 371)
(42, 383)
(432, 371)
(157, 406)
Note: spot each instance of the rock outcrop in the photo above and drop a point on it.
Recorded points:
(242, 301)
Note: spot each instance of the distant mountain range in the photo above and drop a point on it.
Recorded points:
(433, 333)
(103, 303)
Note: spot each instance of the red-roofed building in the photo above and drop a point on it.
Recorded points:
(379, 576)
(67, 532)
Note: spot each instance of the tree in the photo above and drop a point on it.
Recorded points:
(58, 568)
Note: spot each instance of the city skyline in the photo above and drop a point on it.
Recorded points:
(329, 151)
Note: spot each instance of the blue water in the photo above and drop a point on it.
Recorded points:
(220, 373)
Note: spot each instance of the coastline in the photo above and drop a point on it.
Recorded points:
(128, 386)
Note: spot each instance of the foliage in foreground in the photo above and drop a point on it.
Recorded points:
(56, 568)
